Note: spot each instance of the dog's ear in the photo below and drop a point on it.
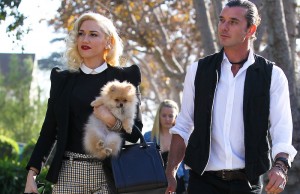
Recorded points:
(130, 89)
(112, 88)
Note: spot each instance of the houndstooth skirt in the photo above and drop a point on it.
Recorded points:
(84, 177)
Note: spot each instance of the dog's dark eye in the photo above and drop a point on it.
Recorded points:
(117, 100)
(125, 100)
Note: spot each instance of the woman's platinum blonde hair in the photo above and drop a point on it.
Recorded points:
(156, 125)
(111, 56)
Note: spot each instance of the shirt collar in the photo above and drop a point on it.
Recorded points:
(88, 70)
(249, 62)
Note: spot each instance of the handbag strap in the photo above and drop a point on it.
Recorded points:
(142, 139)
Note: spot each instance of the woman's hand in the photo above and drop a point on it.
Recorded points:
(30, 183)
(103, 114)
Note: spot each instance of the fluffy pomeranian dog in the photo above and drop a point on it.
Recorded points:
(120, 98)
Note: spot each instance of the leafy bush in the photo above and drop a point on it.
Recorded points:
(42, 178)
(13, 177)
(8, 148)
(24, 158)
(13, 174)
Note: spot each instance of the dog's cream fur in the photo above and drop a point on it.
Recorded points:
(120, 98)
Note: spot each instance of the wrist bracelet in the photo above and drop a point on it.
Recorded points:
(279, 167)
(282, 166)
(117, 126)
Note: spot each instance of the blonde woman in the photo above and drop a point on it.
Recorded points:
(92, 59)
(164, 120)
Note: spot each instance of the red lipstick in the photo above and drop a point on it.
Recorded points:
(84, 47)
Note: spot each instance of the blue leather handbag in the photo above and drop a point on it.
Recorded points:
(138, 167)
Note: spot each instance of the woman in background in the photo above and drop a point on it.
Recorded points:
(164, 120)
(92, 56)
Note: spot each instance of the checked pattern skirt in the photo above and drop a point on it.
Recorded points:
(84, 177)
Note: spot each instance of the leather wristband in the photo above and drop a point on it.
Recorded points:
(279, 167)
(285, 161)
(117, 126)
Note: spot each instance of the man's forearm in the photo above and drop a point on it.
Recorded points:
(176, 154)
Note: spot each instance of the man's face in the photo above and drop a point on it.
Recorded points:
(232, 27)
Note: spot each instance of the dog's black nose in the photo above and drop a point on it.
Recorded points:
(121, 105)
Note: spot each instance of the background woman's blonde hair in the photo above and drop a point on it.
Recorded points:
(156, 125)
(111, 56)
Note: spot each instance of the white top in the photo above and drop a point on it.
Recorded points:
(88, 70)
(227, 141)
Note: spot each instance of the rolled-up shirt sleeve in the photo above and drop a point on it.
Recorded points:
(185, 119)
(281, 129)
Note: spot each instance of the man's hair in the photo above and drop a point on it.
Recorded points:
(252, 15)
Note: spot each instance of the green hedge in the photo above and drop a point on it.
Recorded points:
(8, 148)
(13, 174)
(25, 155)
(13, 177)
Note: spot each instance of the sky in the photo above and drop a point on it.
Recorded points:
(37, 41)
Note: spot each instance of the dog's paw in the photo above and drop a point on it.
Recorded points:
(100, 145)
(108, 151)
(128, 130)
(93, 103)
(127, 125)
(97, 102)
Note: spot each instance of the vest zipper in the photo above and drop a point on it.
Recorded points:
(212, 108)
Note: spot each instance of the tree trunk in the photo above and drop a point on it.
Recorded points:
(203, 22)
(291, 24)
(260, 32)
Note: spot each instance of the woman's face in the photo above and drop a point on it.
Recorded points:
(91, 41)
(167, 117)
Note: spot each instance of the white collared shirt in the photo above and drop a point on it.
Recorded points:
(227, 142)
(88, 70)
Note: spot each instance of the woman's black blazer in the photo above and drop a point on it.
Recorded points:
(55, 126)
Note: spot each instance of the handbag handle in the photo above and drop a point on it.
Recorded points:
(142, 139)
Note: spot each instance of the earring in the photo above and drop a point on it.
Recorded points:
(108, 47)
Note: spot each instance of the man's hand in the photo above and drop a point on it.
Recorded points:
(176, 154)
(172, 182)
(277, 181)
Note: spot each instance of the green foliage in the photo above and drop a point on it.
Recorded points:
(8, 148)
(25, 156)
(13, 174)
(13, 177)
(42, 179)
(21, 116)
